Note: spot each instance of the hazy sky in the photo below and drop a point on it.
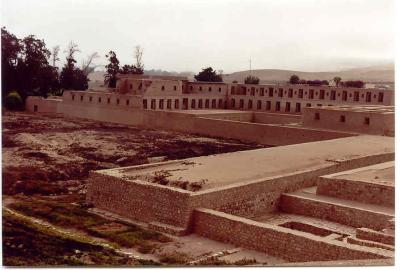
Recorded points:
(311, 35)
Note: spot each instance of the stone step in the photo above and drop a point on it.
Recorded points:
(367, 243)
(165, 228)
(372, 184)
(372, 235)
(306, 202)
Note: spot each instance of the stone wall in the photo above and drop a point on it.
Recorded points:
(360, 191)
(141, 201)
(277, 241)
(351, 216)
(371, 235)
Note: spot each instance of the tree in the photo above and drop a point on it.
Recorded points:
(251, 80)
(294, 79)
(72, 77)
(355, 84)
(87, 65)
(138, 67)
(13, 101)
(337, 80)
(208, 75)
(54, 54)
(110, 78)
(25, 66)
(10, 50)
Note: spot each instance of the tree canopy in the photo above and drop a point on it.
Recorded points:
(337, 80)
(25, 66)
(72, 77)
(208, 75)
(294, 79)
(251, 80)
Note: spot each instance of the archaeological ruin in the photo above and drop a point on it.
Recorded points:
(321, 190)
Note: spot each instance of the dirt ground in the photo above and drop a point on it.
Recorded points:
(46, 161)
(58, 153)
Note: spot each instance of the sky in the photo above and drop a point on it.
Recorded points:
(306, 35)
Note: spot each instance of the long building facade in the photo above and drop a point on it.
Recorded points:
(177, 93)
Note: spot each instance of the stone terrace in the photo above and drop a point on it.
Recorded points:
(240, 167)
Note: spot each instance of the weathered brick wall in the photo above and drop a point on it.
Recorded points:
(254, 198)
(357, 191)
(354, 217)
(263, 195)
(140, 201)
(371, 235)
(277, 241)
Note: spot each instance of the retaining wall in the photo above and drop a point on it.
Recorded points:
(141, 201)
(277, 241)
(360, 191)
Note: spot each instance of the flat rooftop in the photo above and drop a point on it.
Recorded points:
(239, 167)
(382, 173)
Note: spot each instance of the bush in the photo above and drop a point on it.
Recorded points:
(13, 101)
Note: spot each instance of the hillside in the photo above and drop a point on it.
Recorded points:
(384, 73)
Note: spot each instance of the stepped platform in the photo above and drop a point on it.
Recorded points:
(372, 184)
(352, 213)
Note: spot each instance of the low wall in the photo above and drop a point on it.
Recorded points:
(351, 216)
(275, 118)
(43, 105)
(360, 191)
(274, 135)
(267, 134)
(277, 241)
(236, 116)
(141, 201)
(371, 235)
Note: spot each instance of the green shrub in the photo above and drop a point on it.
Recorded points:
(13, 101)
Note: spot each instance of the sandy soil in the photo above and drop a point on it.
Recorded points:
(44, 149)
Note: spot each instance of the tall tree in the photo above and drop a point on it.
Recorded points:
(208, 75)
(337, 80)
(110, 78)
(10, 50)
(138, 67)
(294, 79)
(71, 77)
(87, 65)
(54, 54)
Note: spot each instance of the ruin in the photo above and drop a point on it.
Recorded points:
(324, 192)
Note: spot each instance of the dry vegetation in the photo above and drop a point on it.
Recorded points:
(46, 161)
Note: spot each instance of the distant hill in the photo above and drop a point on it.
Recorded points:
(383, 73)
(373, 74)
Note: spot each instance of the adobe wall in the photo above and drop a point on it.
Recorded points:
(277, 241)
(239, 116)
(141, 201)
(274, 118)
(372, 193)
(43, 105)
(354, 121)
(266, 134)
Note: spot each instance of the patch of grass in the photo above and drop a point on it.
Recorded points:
(245, 261)
(73, 216)
(174, 258)
(215, 261)
(25, 245)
